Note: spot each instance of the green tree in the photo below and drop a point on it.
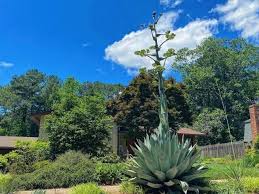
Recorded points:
(78, 121)
(211, 122)
(108, 91)
(26, 94)
(221, 74)
(136, 108)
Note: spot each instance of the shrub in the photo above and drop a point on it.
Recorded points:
(257, 165)
(130, 188)
(110, 173)
(89, 188)
(41, 164)
(22, 159)
(251, 158)
(256, 143)
(3, 163)
(5, 180)
(251, 184)
(69, 169)
(109, 158)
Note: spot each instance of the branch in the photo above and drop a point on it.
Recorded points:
(163, 42)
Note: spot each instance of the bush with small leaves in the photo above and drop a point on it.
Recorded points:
(109, 174)
(67, 170)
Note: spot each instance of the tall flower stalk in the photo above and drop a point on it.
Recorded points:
(159, 63)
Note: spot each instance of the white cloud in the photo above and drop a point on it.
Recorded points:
(170, 3)
(6, 64)
(122, 51)
(242, 15)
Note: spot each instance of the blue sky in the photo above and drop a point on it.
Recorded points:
(94, 40)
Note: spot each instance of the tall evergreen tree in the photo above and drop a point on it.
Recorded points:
(25, 95)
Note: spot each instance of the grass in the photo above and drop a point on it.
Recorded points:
(89, 188)
(217, 169)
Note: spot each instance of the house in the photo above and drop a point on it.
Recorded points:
(251, 129)
(120, 141)
(7, 143)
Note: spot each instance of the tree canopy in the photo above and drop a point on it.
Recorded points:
(221, 74)
(136, 108)
(78, 121)
(25, 95)
(108, 91)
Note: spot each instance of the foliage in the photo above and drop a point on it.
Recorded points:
(256, 143)
(3, 163)
(40, 164)
(166, 165)
(69, 169)
(26, 154)
(5, 180)
(78, 121)
(110, 158)
(217, 169)
(226, 187)
(136, 108)
(251, 157)
(108, 91)
(130, 188)
(226, 67)
(110, 174)
(251, 184)
(24, 95)
(212, 123)
(89, 188)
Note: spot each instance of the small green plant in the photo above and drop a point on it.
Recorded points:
(5, 180)
(251, 184)
(130, 188)
(3, 163)
(251, 157)
(89, 188)
(235, 173)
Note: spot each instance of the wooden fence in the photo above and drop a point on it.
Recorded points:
(221, 150)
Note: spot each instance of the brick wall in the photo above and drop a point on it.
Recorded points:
(254, 117)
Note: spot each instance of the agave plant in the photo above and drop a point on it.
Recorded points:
(163, 164)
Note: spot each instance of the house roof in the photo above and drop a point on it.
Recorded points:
(8, 142)
(190, 132)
